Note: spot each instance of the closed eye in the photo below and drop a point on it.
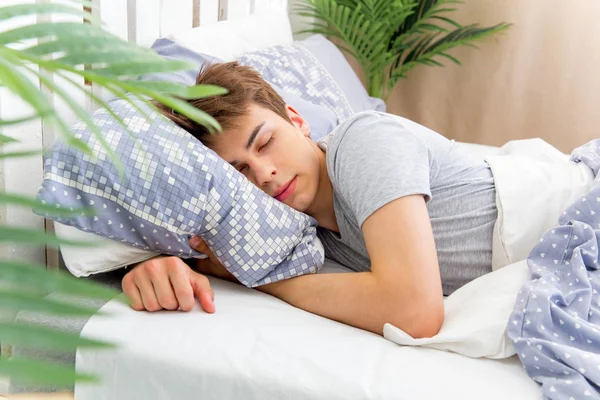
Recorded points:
(266, 144)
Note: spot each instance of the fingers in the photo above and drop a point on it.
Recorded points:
(159, 274)
(144, 284)
(132, 292)
(180, 282)
(203, 291)
(167, 283)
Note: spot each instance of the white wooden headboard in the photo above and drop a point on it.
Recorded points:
(139, 21)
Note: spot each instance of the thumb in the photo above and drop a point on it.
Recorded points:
(203, 291)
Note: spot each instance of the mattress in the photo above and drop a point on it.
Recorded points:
(258, 347)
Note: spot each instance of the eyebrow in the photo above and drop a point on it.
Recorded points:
(251, 139)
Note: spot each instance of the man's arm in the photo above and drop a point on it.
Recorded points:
(403, 287)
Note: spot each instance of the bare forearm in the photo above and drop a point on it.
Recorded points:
(352, 298)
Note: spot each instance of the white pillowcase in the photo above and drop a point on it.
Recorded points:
(229, 39)
(535, 183)
(108, 256)
(475, 316)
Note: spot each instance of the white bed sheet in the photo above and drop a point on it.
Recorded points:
(258, 347)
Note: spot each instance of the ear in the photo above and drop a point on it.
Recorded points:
(298, 121)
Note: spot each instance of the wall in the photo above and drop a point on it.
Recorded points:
(539, 79)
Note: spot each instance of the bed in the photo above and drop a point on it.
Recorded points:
(258, 347)
(278, 352)
(285, 352)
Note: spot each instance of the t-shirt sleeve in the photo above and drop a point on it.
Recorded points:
(376, 160)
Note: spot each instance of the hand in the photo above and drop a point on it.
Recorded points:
(166, 282)
(211, 265)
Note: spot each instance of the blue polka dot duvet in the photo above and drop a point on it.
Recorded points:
(555, 324)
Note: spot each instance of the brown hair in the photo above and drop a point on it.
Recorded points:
(244, 85)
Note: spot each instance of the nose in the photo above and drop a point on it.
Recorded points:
(264, 173)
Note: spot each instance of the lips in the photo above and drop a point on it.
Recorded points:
(286, 190)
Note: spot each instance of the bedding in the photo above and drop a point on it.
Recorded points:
(534, 184)
(555, 324)
(316, 70)
(315, 97)
(258, 347)
(320, 119)
(175, 188)
(231, 38)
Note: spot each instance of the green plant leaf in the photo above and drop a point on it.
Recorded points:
(73, 141)
(451, 58)
(83, 45)
(50, 209)
(434, 45)
(94, 98)
(17, 300)
(20, 154)
(20, 85)
(41, 372)
(84, 116)
(7, 122)
(141, 67)
(38, 278)
(37, 336)
(448, 20)
(53, 29)
(20, 10)
(7, 139)
(184, 92)
(32, 237)
(120, 88)
(190, 111)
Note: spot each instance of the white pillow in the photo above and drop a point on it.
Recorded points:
(535, 183)
(229, 39)
(108, 256)
(475, 316)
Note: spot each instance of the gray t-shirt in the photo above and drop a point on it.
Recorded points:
(374, 158)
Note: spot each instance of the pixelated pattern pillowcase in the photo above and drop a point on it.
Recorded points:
(174, 188)
(296, 70)
(315, 70)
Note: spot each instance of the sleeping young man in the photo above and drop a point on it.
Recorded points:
(399, 204)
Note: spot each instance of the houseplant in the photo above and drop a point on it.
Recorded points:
(390, 37)
(75, 49)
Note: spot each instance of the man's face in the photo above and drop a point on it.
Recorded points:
(278, 157)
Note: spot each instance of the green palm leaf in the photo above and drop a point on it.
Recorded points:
(36, 336)
(21, 10)
(434, 45)
(389, 37)
(28, 276)
(51, 209)
(19, 300)
(41, 372)
(30, 237)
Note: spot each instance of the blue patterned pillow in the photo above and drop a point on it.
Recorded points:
(318, 72)
(320, 119)
(174, 188)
